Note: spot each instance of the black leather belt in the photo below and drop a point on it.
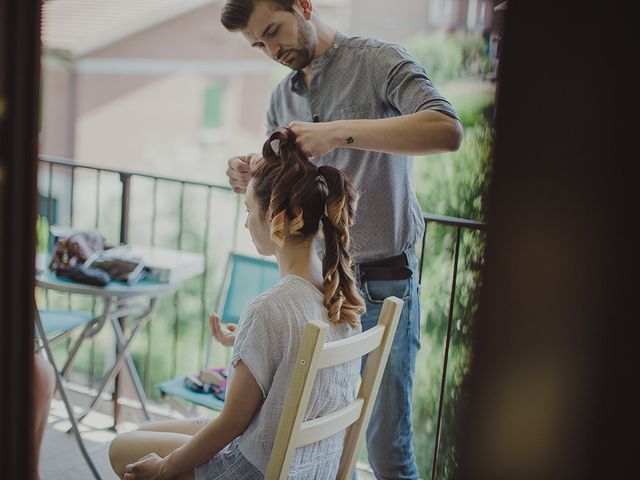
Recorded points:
(390, 268)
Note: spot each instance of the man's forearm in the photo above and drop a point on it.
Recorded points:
(420, 133)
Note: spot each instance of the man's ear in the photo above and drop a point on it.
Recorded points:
(306, 7)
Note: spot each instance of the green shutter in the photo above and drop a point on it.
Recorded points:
(213, 105)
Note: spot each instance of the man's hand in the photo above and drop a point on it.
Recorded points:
(225, 338)
(315, 138)
(240, 168)
(149, 467)
(239, 172)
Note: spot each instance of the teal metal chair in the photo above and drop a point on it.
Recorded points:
(53, 325)
(245, 278)
(58, 324)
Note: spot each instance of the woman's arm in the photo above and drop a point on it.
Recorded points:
(243, 398)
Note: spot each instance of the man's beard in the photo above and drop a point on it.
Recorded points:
(303, 55)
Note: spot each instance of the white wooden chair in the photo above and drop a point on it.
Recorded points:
(315, 355)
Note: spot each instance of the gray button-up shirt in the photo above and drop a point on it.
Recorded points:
(360, 78)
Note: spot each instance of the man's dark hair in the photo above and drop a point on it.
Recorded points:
(235, 13)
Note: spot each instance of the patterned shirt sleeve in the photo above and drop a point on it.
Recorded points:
(407, 86)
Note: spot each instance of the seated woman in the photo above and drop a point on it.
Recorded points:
(287, 200)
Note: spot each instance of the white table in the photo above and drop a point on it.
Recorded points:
(116, 303)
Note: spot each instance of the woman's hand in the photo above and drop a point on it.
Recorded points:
(149, 467)
(225, 338)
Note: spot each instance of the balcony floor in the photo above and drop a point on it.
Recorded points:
(61, 458)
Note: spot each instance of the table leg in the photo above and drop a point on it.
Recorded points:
(123, 346)
(137, 383)
(116, 385)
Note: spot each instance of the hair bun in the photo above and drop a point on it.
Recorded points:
(280, 140)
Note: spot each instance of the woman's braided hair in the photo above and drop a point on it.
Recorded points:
(297, 197)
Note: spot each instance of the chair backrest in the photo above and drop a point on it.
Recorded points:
(315, 354)
(245, 278)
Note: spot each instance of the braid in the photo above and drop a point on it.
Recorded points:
(341, 296)
(331, 278)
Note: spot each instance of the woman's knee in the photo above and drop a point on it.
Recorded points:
(131, 446)
(118, 453)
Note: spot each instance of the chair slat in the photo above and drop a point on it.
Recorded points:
(323, 427)
(347, 349)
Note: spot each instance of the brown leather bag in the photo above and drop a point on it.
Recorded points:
(76, 249)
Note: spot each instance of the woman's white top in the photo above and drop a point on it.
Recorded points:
(268, 339)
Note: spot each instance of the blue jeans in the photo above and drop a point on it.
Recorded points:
(389, 435)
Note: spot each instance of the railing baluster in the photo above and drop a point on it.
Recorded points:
(49, 219)
(50, 196)
(424, 241)
(452, 298)
(125, 178)
(72, 195)
(181, 211)
(98, 184)
(154, 212)
(147, 359)
(92, 352)
(68, 340)
(176, 296)
(205, 251)
(73, 175)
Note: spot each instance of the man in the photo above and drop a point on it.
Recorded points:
(361, 105)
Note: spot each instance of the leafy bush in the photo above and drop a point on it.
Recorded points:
(452, 184)
(449, 57)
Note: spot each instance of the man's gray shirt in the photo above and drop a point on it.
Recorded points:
(366, 78)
